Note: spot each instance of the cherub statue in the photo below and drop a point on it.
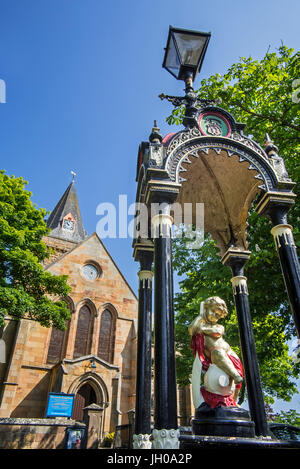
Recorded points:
(214, 356)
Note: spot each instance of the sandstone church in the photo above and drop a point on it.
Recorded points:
(95, 357)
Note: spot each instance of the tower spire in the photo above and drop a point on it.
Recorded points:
(65, 220)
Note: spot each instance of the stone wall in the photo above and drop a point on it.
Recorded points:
(58, 246)
(19, 433)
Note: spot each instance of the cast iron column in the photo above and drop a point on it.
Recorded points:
(276, 208)
(141, 438)
(165, 433)
(285, 245)
(236, 260)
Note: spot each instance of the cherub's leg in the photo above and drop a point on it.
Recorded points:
(220, 358)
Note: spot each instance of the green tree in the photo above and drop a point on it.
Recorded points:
(25, 287)
(261, 94)
(290, 417)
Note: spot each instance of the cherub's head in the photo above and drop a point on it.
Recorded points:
(211, 310)
(214, 309)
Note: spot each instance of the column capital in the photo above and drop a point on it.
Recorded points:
(239, 285)
(145, 276)
(161, 225)
(236, 260)
(143, 251)
(161, 218)
(275, 206)
(158, 191)
(285, 231)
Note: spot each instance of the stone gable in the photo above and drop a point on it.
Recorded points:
(109, 287)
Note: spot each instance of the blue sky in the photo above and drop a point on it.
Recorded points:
(83, 78)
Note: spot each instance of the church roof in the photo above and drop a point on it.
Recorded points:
(65, 220)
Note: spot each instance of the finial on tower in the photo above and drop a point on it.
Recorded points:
(268, 139)
(271, 148)
(73, 174)
(155, 136)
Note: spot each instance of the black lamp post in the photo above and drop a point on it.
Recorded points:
(183, 58)
(184, 55)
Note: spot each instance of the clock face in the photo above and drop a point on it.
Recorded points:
(89, 272)
(68, 225)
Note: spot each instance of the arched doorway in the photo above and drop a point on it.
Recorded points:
(85, 396)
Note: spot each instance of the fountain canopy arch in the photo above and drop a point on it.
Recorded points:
(217, 165)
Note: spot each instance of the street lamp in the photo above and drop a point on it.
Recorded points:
(185, 52)
(184, 55)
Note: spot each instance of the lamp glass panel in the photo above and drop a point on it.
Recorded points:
(172, 59)
(190, 47)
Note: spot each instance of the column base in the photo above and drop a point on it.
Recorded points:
(223, 421)
(191, 442)
(142, 441)
(165, 439)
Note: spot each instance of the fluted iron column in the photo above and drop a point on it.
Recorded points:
(165, 416)
(141, 438)
(289, 262)
(236, 260)
(275, 207)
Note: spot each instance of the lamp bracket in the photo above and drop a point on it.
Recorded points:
(188, 100)
(193, 104)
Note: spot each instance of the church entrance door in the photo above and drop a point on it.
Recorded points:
(84, 397)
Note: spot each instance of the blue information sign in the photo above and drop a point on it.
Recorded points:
(60, 404)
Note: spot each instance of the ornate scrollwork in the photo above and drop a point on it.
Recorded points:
(249, 143)
(187, 100)
(279, 167)
(276, 161)
(188, 143)
(183, 137)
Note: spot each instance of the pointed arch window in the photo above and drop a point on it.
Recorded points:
(58, 344)
(83, 340)
(107, 337)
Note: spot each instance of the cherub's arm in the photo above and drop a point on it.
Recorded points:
(195, 326)
(213, 330)
(199, 325)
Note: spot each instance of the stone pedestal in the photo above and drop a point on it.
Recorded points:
(92, 417)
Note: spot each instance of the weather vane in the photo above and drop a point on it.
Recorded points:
(73, 174)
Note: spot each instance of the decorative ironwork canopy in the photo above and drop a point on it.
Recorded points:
(216, 164)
